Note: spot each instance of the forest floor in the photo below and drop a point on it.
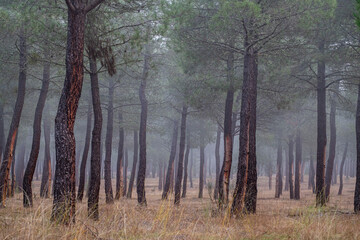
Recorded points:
(193, 219)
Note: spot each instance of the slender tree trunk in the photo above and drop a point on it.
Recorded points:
(95, 163)
(246, 133)
(186, 164)
(125, 170)
(217, 162)
(321, 130)
(202, 161)
(133, 170)
(224, 179)
(291, 166)
(13, 130)
(270, 175)
(342, 169)
(279, 177)
(140, 182)
(180, 168)
(191, 169)
(169, 173)
(357, 184)
(298, 165)
(311, 174)
(119, 167)
(287, 180)
(46, 176)
(160, 186)
(13, 176)
(332, 148)
(20, 166)
(85, 156)
(108, 145)
(2, 131)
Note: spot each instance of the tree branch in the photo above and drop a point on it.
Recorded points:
(70, 5)
(92, 5)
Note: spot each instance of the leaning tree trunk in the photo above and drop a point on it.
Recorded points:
(46, 175)
(108, 145)
(202, 161)
(321, 130)
(180, 167)
(133, 170)
(298, 165)
(249, 83)
(119, 166)
(13, 130)
(95, 163)
(357, 185)
(279, 177)
(332, 148)
(84, 156)
(291, 167)
(125, 171)
(186, 164)
(169, 173)
(224, 179)
(342, 169)
(217, 162)
(140, 181)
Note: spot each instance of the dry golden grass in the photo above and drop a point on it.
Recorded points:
(193, 219)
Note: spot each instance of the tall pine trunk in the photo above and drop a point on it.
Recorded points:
(246, 133)
(357, 184)
(170, 173)
(332, 148)
(186, 164)
(224, 179)
(95, 163)
(321, 130)
(46, 175)
(279, 177)
(140, 181)
(125, 170)
(217, 162)
(180, 167)
(119, 165)
(298, 165)
(342, 168)
(84, 156)
(202, 162)
(133, 170)
(13, 130)
(108, 145)
(291, 166)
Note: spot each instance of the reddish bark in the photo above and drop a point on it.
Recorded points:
(119, 166)
(10, 142)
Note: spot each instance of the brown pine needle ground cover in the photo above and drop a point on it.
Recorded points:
(193, 219)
